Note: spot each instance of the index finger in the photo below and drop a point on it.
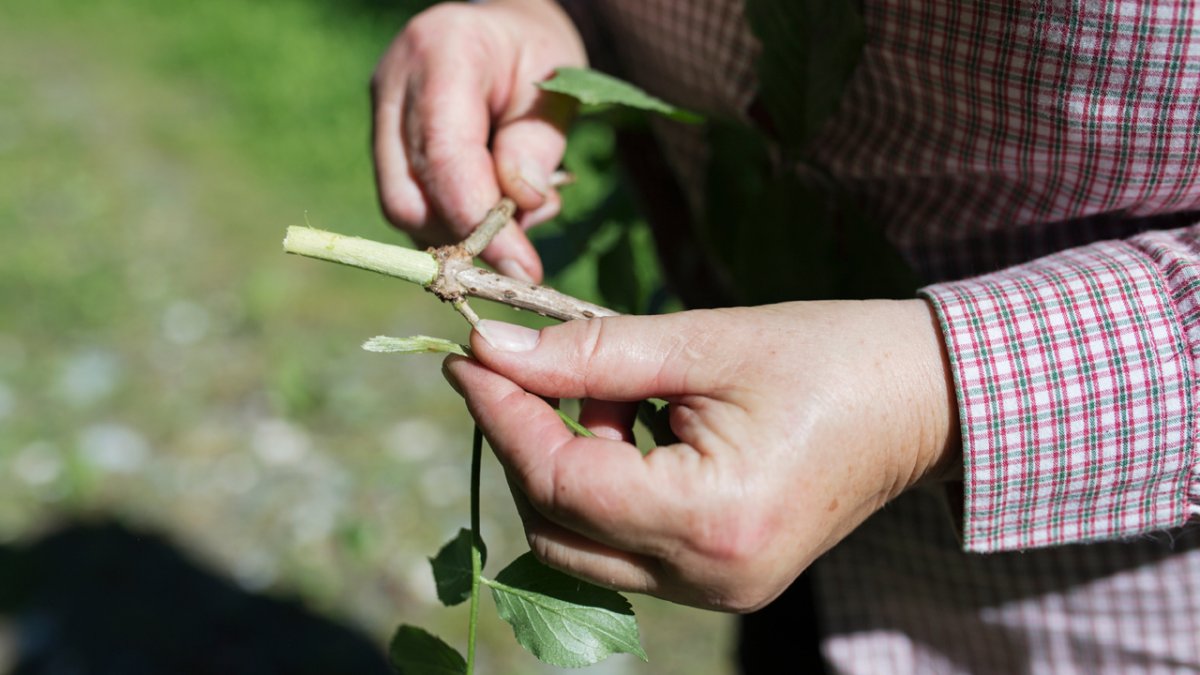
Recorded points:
(399, 196)
(600, 488)
(447, 124)
(446, 128)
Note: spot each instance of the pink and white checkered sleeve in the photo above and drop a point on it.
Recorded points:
(1076, 378)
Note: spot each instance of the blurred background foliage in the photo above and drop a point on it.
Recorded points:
(194, 453)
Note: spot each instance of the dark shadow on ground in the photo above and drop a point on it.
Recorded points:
(102, 599)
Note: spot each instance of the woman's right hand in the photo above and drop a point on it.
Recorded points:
(458, 76)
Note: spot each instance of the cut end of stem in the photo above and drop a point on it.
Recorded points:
(414, 266)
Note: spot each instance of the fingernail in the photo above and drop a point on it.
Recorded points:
(511, 268)
(533, 175)
(508, 337)
(483, 333)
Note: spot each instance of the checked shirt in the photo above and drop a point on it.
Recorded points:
(1037, 164)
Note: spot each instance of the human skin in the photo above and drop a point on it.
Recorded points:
(456, 76)
(796, 421)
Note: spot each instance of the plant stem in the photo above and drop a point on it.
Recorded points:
(546, 301)
(418, 267)
(422, 268)
(575, 427)
(476, 546)
(493, 222)
(467, 313)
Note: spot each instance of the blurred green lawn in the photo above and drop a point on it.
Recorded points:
(162, 361)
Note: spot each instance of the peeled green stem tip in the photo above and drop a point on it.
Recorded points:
(418, 267)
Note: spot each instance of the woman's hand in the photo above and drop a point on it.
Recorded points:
(796, 422)
(458, 75)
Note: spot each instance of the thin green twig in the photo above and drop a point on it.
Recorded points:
(575, 426)
(476, 546)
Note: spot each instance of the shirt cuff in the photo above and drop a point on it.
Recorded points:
(1074, 384)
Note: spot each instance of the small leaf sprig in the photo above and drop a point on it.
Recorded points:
(561, 620)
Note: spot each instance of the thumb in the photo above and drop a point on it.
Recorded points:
(625, 358)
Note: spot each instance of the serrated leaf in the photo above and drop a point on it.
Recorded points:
(452, 568)
(414, 651)
(563, 621)
(416, 344)
(595, 88)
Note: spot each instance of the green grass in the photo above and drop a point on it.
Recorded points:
(163, 361)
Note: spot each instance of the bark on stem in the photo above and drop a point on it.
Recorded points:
(481, 283)
(423, 268)
(497, 217)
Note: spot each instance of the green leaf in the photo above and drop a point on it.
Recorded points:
(809, 52)
(452, 568)
(655, 414)
(779, 235)
(563, 621)
(618, 277)
(417, 344)
(416, 652)
(595, 88)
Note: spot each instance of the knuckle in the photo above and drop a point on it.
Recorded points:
(734, 538)
(590, 356)
(542, 548)
(736, 542)
(688, 358)
(440, 150)
(717, 539)
(537, 489)
(542, 487)
(745, 600)
(535, 476)
(430, 20)
(430, 31)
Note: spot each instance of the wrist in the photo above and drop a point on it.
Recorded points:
(939, 447)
